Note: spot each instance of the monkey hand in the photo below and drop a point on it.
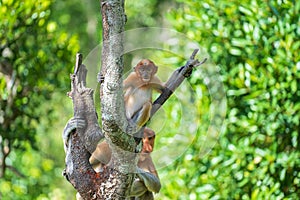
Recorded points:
(70, 127)
(132, 127)
(138, 188)
(151, 181)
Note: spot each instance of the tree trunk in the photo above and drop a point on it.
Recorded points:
(116, 178)
(114, 122)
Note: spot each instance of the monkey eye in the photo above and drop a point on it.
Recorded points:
(147, 69)
(150, 138)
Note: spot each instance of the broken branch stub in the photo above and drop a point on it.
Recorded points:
(175, 80)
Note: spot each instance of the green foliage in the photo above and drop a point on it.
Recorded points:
(36, 58)
(82, 18)
(144, 13)
(256, 44)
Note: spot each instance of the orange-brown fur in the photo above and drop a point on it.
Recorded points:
(142, 187)
(138, 88)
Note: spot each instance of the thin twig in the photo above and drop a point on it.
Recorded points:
(175, 80)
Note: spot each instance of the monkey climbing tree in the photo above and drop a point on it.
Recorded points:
(83, 132)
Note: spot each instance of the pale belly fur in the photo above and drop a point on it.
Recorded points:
(136, 101)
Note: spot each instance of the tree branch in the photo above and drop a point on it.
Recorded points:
(79, 142)
(175, 80)
(114, 122)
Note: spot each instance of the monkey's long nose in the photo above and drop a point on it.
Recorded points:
(148, 149)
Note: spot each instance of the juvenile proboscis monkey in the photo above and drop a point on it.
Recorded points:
(147, 180)
(145, 163)
(138, 88)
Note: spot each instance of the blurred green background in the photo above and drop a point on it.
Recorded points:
(255, 47)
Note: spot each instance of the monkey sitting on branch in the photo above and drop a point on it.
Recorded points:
(82, 133)
(138, 87)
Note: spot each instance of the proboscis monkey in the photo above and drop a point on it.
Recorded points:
(138, 88)
(145, 161)
(140, 189)
(147, 180)
(101, 156)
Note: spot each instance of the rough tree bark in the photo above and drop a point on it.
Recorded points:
(114, 123)
(115, 180)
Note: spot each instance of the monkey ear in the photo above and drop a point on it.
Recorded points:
(154, 69)
(136, 71)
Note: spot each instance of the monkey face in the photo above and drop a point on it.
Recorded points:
(148, 144)
(148, 140)
(145, 69)
(145, 73)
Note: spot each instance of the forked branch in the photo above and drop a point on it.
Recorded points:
(176, 79)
